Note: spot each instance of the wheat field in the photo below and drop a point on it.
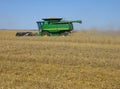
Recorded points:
(82, 60)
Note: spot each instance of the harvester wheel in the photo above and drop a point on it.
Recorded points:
(45, 33)
(65, 33)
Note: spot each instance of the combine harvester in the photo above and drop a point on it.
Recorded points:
(52, 27)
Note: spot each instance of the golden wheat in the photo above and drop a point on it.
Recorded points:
(82, 60)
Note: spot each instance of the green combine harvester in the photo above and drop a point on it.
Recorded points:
(52, 27)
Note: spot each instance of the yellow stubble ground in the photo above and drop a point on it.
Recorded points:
(82, 60)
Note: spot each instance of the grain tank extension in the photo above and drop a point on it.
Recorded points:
(55, 26)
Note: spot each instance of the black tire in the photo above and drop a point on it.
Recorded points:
(64, 33)
(45, 33)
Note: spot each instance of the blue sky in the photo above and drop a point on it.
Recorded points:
(23, 14)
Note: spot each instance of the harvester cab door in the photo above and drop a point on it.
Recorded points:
(40, 26)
